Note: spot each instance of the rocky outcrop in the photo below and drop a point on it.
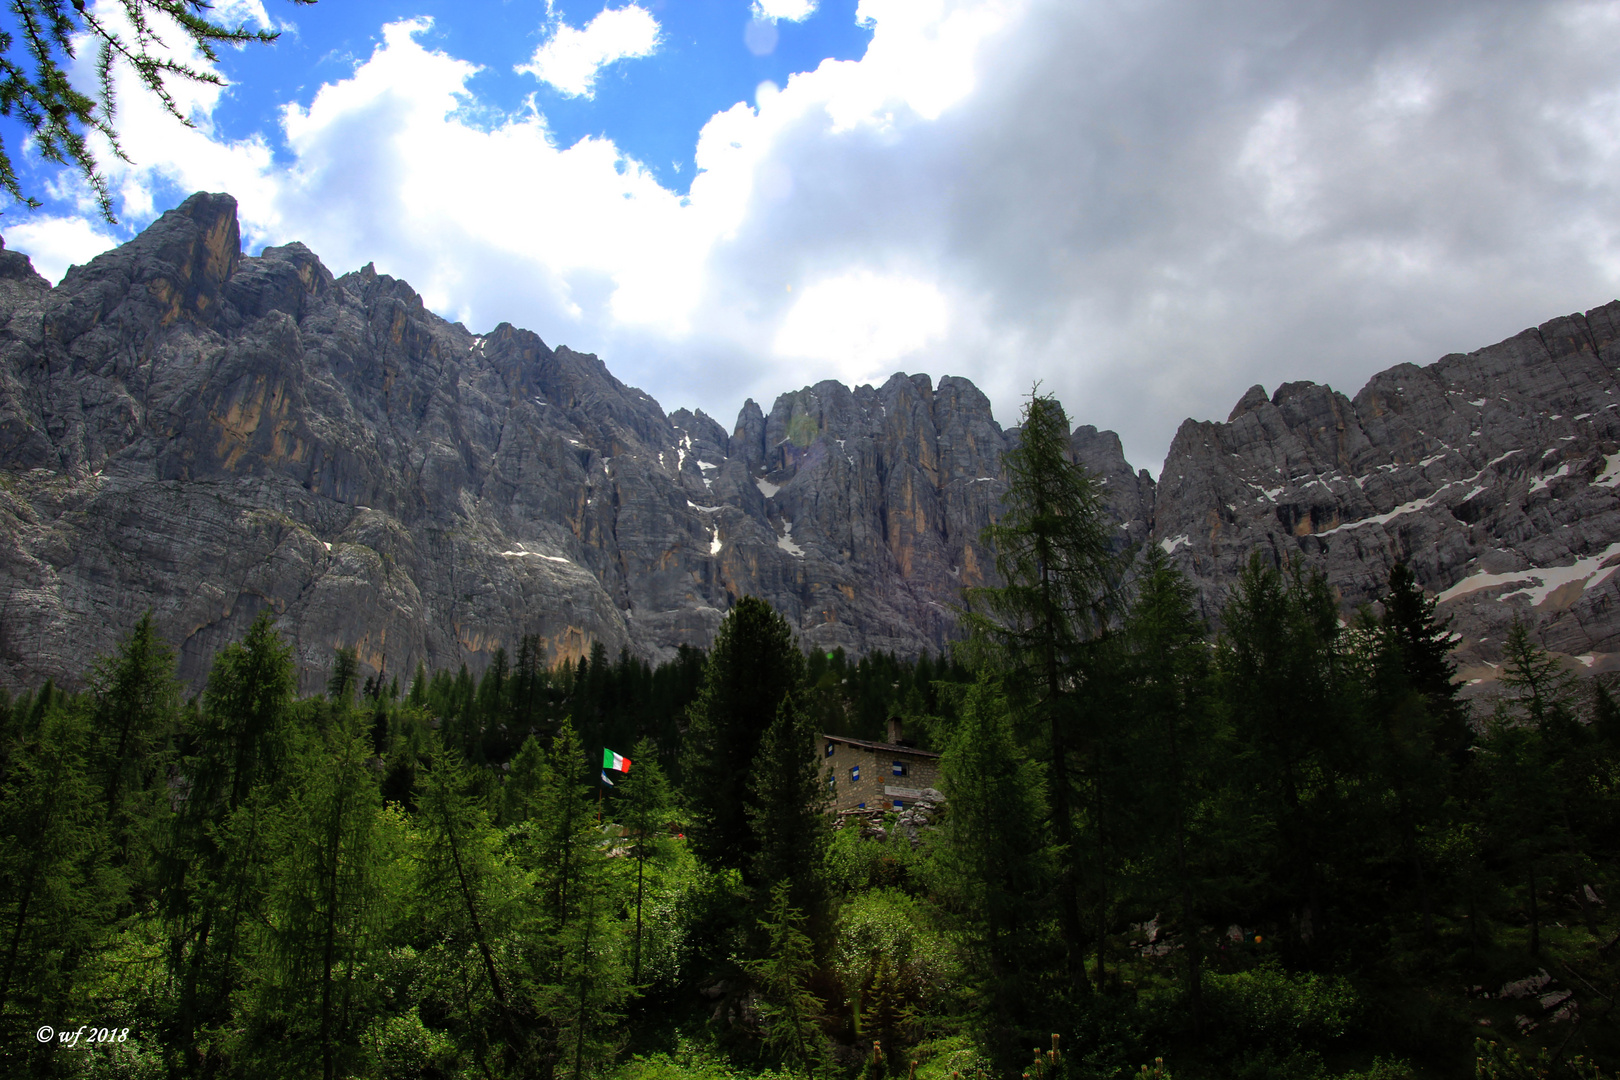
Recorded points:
(205, 434)
(1495, 475)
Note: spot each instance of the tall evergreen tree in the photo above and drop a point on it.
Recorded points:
(214, 859)
(344, 680)
(1415, 637)
(574, 959)
(1177, 753)
(136, 700)
(786, 811)
(1055, 555)
(471, 900)
(1530, 749)
(753, 666)
(1283, 684)
(327, 899)
(991, 870)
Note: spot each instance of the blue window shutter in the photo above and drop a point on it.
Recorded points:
(829, 749)
(855, 772)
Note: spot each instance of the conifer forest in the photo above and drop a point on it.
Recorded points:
(1278, 848)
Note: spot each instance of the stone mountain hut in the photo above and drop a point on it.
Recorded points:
(878, 775)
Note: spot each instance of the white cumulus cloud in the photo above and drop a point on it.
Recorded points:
(55, 243)
(1146, 207)
(858, 322)
(571, 58)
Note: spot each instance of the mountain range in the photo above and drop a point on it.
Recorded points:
(203, 434)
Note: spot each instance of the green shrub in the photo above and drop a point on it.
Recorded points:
(887, 925)
(401, 1047)
(1281, 1009)
(954, 1057)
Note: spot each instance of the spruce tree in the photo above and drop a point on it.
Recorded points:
(1423, 642)
(574, 962)
(1055, 556)
(786, 811)
(344, 679)
(789, 1012)
(523, 783)
(1283, 685)
(992, 869)
(1419, 726)
(753, 666)
(136, 700)
(1530, 749)
(1177, 753)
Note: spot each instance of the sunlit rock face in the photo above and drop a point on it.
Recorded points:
(1495, 475)
(203, 434)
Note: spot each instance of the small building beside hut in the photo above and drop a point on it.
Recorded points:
(868, 775)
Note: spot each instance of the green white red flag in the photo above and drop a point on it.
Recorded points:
(616, 762)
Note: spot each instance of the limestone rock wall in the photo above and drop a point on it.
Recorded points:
(206, 434)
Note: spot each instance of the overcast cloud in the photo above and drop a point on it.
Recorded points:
(1145, 206)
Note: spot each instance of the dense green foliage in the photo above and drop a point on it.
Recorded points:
(1287, 852)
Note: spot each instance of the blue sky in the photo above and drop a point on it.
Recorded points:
(1146, 207)
(651, 107)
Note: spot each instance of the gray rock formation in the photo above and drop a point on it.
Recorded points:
(1495, 475)
(203, 434)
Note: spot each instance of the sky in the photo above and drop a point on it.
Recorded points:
(1142, 206)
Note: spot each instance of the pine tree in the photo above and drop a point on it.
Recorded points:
(1283, 685)
(1529, 748)
(1424, 642)
(753, 666)
(345, 678)
(1542, 688)
(786, 811)
(992, 866)
(1178, 747)
(574, 962)
(1054, 552)
(136, 700)
(523, 783)
(790, 1014)
(1419, 724)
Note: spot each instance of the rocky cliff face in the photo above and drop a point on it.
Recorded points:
(1495, 475)
(203, 434)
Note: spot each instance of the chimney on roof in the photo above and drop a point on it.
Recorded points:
(896, 731)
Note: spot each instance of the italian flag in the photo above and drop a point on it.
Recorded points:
(616, 762)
